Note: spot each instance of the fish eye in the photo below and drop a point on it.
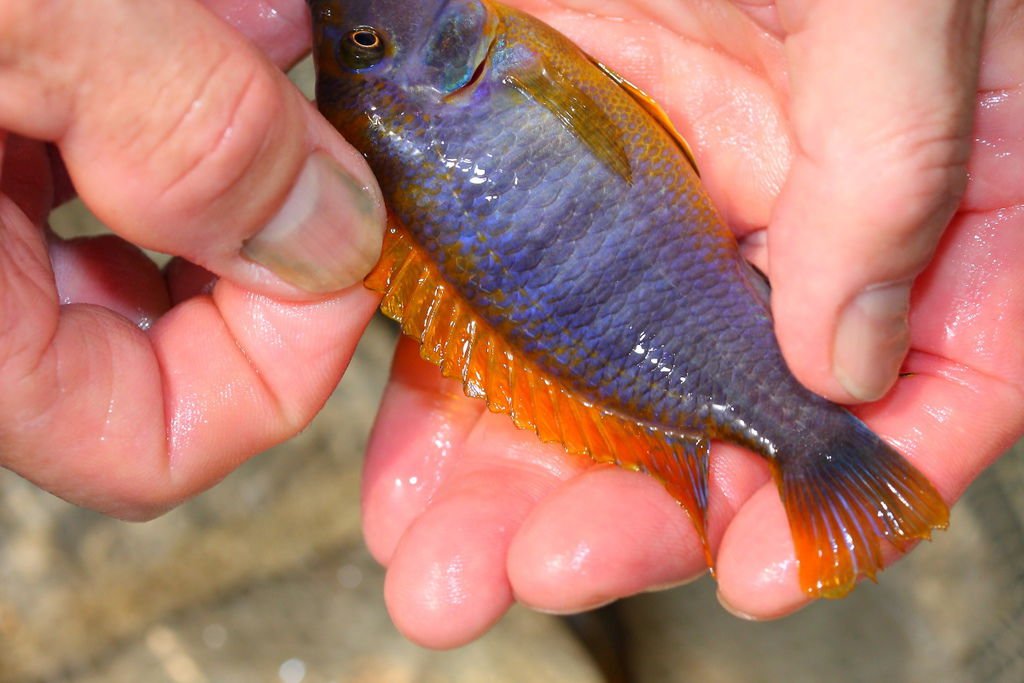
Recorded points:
(366, 38)
(362, 48)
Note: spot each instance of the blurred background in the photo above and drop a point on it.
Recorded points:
(265, 578)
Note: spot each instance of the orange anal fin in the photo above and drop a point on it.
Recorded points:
(454, 337)
(841, 508)
(681, 463)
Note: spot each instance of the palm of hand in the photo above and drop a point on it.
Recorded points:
(470, 514)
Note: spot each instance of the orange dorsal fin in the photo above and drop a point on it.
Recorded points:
(465, 347)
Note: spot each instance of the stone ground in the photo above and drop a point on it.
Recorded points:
(265, 579)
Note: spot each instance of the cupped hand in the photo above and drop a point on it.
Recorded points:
(123, 388)
(869, 165)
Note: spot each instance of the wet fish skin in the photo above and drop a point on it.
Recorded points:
(570, 221)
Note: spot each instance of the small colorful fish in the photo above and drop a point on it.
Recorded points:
(552, 247)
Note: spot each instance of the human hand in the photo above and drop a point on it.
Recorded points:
(835, 139)
(185, 139)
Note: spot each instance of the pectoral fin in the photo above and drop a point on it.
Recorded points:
(654, 109)
(577, 111)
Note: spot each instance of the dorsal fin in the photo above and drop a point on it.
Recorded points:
(465, 347)
(652, 108)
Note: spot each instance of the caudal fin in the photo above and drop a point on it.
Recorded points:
(841, 505)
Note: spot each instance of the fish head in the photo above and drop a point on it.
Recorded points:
(430, 48)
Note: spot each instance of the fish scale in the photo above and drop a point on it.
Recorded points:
(554, 250)
(623, 294)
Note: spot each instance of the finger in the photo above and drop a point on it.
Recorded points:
(200, 148)
(713, 71)
(758, 573)
(604, 535)
(128, 423)
(996, 164)
(608, 534)
(881, 108)
(243, 372)
(105, 271)
(418, 482)
(953, 415)
(967, 306)
(108, 417)
(764, 13)
(186, 280)
(997, 158)
(447, 581)
(421, 429)
(109, 272)
(280, 28)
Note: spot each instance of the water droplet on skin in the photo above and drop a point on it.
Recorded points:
(994, 99)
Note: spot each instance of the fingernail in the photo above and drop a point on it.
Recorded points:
(567, 611)
(871, 341)
(669, 585)
(328, 233)
(732, 610)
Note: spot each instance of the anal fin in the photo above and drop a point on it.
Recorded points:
(680, 461)
(466, 348)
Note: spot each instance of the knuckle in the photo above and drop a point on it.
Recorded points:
(224, 127)
(201, 151)
(904, 187)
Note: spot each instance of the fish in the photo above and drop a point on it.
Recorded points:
(550, 245)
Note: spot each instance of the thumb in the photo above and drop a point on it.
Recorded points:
(882, 98)
(184, 139)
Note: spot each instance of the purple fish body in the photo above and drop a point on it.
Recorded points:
(548, 198)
